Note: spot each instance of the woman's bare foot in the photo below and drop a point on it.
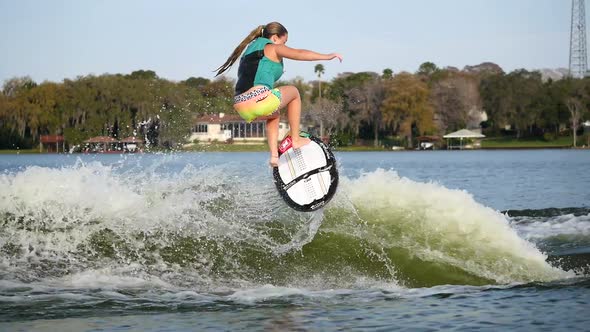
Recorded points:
(274, 161)
(299, 142)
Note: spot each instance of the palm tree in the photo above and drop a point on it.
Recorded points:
(319, 70)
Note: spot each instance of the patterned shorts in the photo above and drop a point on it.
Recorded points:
(258, 102)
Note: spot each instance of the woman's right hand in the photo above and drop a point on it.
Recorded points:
(336, 55)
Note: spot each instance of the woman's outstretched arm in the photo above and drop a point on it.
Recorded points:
(283, 51)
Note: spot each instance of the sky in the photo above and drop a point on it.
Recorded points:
(52, 40)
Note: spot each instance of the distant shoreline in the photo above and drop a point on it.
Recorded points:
(262, 148)
(488, 143)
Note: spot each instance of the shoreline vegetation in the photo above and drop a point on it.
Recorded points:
(493, 143)
(362, 111)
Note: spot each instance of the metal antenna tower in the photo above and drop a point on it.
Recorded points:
(578, 57)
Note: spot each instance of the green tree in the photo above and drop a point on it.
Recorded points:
(327, 114)
(196, 82)
(143, 75)
(577, 101)
(451, 111)
(387, 74)
(496, 94)
(15, 86)
(427, 69)
(407, 107)
(525, 88)
(346, 82)
(365, 103)
(340, 89)
(551, 101)
(319, 70)
(516, 100)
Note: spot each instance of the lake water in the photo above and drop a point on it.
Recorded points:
(464, 240)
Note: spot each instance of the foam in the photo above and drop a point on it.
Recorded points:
(51, 213)
(565, 225)
(447, 226)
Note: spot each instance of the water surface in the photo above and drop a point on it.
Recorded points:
(417, 240)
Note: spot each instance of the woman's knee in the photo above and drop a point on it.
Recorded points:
(289, 93)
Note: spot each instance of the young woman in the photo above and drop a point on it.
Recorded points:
(260, 67)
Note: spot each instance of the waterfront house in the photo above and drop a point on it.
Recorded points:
(52, 143)
(232, 128)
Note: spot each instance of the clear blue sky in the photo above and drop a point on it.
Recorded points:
(57, 39)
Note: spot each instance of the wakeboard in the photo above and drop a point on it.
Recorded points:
(306, 178)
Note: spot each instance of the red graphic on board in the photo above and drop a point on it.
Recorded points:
(286, 144)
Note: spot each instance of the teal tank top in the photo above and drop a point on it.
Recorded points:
(268, 71)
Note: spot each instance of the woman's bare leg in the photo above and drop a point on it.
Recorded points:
(290, 97)
(272, 136)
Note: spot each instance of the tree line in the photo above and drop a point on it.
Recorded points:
(353, 108)
(398, 108)
(140, 104)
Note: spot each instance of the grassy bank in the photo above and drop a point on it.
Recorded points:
(19, 151)
(487, 143)
(358, 148)
(264, 148)
(526, 143)
(226, 148)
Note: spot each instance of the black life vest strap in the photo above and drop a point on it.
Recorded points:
(255, 55)
(247, 71)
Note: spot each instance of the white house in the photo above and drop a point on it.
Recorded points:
(222, 128)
